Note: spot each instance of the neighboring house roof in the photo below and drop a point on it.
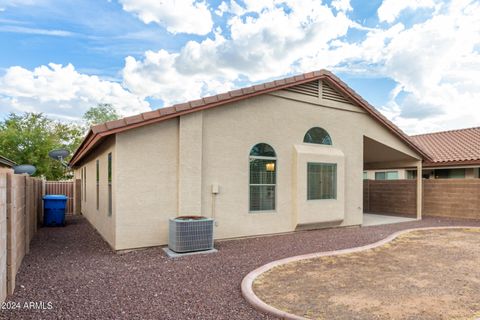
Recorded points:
(99, 132)
(455, 147)
(5, 162)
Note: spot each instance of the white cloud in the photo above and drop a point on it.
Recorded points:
(434, 62)
(436, 65)
(222, 8)
(61, 91)
(44, 32)
(184, 16)
(271, 44)
(156, 76)
(389, 10)
(342, 5)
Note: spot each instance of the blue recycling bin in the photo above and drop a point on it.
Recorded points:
(54, 210)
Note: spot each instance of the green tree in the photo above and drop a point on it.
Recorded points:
(101, 113)
(27, 139)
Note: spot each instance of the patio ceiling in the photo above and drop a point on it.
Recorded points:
(377, 155)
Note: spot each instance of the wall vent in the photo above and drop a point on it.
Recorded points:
(328, 93)
(308, 88)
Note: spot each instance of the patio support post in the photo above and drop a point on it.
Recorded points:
(419, 191)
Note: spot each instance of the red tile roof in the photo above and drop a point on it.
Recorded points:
(455, 147)
(99, 132)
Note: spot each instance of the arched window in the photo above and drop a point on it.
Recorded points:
(263, 172)
(317, 135)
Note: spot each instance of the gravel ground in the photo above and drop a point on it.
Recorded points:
(75, 270)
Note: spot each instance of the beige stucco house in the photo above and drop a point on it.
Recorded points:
(271, 158)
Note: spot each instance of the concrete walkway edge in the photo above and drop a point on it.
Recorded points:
(258, 304)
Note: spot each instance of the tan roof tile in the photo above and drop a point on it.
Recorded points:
(224, 96)
(248, 90)
(270, 84)
(134, 119)
(166, 111)
(259, 87)
(236, 93)
(180, 107)
(197, 103)
(115, 124)
(99, 128)
(151, 114)
(450, 146)
(210, 99)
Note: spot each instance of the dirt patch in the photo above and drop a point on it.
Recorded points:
(430, 274)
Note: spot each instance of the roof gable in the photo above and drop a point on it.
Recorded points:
(331, 88)
(320, 89)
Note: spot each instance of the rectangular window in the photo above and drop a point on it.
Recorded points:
(392, 175)
(411, 174)
(321, 181)
(82, 190)
(365, 175)
(98, 184)
(449, 173)
(379, 175)
(85, 184)
(386, 175)
(110, 184)
(262, 184)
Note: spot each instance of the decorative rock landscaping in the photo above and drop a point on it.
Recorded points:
(75, 270)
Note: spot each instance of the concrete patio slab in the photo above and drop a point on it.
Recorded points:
(370, 219)
(173, 254)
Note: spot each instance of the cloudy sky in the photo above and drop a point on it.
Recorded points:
(418, 61)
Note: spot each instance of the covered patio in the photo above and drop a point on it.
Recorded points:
(391, 205)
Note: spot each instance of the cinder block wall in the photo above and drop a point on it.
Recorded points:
(16, 227)
(397, 197)
(3, 236)
(20, 198)
(457, 198)
(453, 198)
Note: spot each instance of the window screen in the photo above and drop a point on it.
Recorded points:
(386, 175)
(321, 181)
(379, 175)
(449, 173)
(85, 184)
(110, 184)
(263, 171)
(392, 175)
(98, 184)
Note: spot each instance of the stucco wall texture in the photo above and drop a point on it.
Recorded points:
(167, 169)
(99, 218)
